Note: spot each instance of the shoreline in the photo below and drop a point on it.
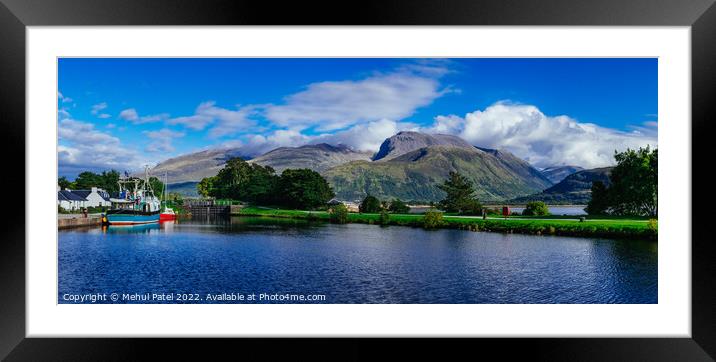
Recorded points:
(607, 228)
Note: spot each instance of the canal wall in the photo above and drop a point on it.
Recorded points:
(78, 221)
(204, 208)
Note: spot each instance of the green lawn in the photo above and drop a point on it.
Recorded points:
(615, 227)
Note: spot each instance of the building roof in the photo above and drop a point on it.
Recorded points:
(66, 195)
(84, 193)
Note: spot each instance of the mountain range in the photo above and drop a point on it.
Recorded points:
(319, 157)
(408, 165)
(559, 173)
(575, 189)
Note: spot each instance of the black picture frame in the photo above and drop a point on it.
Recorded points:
(16, 15)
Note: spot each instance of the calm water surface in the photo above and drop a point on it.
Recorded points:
(354, 263)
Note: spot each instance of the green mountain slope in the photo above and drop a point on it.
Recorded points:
(416, 174)
(574, 189)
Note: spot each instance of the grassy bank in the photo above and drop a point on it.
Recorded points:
(609, 228)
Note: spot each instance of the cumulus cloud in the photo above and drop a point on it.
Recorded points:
(543, 140)
(82, 148)
(162, 140)
(259, 144)
(131, 115)
(367, 136)
(336, 105)
(226, 121)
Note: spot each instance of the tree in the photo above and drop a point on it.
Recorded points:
(471, 207)
(634, 181)
(109, 181)
(459, 196)
(240, 180)
(87, 180)
(399, 207)
(304, 189)
(370, 204)
(599, 203)
(536, 208)
(157, 186)
(64, 183)
(231, 179)
(634, 185)
(260, 186)
(205, 187)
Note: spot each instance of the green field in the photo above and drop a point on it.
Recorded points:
(610, 228)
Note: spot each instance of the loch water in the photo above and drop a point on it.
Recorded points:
(352, 263)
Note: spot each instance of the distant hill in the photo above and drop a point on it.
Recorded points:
(195, 166)
(187, 189)
(414, 175)
(574, 189)
(318, 157)
(559, 173)
(404, 142)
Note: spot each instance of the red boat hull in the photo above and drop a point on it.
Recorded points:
(167, 217)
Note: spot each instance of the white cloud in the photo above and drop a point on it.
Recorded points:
(84, 148)
(227, 121)
(132, 116)
(97, 110)
(335, 105)
(542, 140)
(259, 144)
(367, 136)
(162, 140)
(62, 113)
(62, 98)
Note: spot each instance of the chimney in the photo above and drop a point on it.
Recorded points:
(94, 190)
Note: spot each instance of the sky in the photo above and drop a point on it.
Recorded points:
(124, 113)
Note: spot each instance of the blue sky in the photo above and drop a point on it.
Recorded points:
(121, 113)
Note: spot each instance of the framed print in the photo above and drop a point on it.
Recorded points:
(385, 173)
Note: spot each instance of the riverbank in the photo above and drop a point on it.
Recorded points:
(608, 228)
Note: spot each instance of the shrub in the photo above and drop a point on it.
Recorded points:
(338, 214)
(537, 208)
(370, 204)
(653, 225)
(433, 219)
(399, 207)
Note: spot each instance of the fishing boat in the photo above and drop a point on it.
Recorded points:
(136, 203)
(168, 213)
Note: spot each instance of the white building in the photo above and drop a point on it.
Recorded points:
(94, 197)
(79, 199)
(69, 201)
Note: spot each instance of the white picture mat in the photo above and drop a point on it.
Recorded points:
(670, 317)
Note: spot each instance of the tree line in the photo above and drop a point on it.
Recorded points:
(106, 180)
(633, 188)
(459, 198)
(253, 183)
